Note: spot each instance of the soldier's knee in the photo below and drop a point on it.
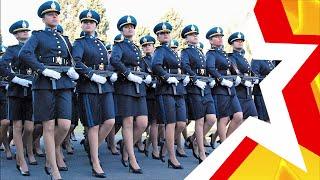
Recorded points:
(238, 117)
(28, 129)
(210, 120)
(109, 122)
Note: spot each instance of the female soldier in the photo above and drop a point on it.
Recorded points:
(19, 97)
(261, 68)
(170, 92)
(219, 66)
(48, 54)
(244, 90)
(201, 103)
(95, 93)
(130, 92)
(147, 42)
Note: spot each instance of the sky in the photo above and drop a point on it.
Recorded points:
(228, 14)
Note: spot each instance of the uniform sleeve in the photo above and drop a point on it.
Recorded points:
(27, 54)
(77, 53)
(255, 66)
(5, 69)
(211, 66)
(157, 62)
(115, 60)
(186, 65)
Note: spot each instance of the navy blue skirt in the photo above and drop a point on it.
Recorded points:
(261, 108)
(130, 106)
(227, 105)
(171, 109)
(199, 106)
(49, 104)
(248, 108)
(19, 108)
(96, 108)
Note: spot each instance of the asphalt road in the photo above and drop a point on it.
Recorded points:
(79, 167)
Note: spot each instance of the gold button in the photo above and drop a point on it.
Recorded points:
(59, 46)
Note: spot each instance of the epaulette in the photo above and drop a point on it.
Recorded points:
(36, 31)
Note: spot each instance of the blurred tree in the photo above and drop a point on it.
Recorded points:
(173, 17)
(103, 26)
(140, 32)
(70, 10)
(69, 17)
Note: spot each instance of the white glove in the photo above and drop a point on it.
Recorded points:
(22, 82)
(114, 77)
(238, 81)
(256, 81)
(147, 80)
(51, 73)
(227, 83)
(200, 84)
(173, 80)
(98, 79)
(134, 78)
(247, 83)
(186, 81)
(212, 83)
(73, 74)
(7, 87)
(154, 85)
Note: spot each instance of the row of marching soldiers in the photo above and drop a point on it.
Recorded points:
(53, 83)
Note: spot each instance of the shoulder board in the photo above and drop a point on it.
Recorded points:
(36, 31)
(11, 46)
(79, 38)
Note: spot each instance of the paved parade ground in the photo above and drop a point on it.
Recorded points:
(79, 167)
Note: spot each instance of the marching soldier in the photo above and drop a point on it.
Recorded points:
(4, 122)
(261, 68)
(111, 136)
(130, 91)
(174, 44)
(147, 42)
(220, 67)
(74, 120)
(244, 90)
(19, 96)
(47, 52)
(201, 105)
(95, 91)
(170, 92)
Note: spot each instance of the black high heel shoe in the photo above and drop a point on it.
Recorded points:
(200, 160)
(47, 170)
(146, 148)
(135, 171)
(23, 173)
(211, 141)
(124, 162)
(155, 157)
(193, 151)
(187, 143)
(63, 168)
(160, 154)
(180, 155)
(98, 175)
(173, 165)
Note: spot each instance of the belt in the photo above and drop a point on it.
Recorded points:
(54, 60)
(24, 71)
(200, 72)
(135, 68)
(224, 71)
(100, 67)
(174, 71)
